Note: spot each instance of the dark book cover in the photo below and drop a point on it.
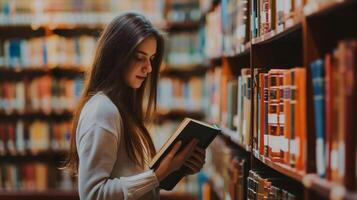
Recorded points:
(186, 132)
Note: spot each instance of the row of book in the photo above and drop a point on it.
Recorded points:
(213, 34)
(280, 115)
(183, 11)
(227, 171)
(230, 102)
(33, 176)
(334, 94)
(184, 49)
(265, 185)
(235, 24)
(50, 51)
(189, 95)
(269, 15)
(69, 12)
(31, 138)
(43, 94)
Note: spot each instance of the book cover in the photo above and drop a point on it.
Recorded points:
(186, 132)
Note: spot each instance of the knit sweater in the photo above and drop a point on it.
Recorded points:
(105, 169)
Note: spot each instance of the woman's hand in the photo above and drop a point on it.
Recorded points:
(173, 160)
(196, 161)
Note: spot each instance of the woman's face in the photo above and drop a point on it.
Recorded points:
(140, 66)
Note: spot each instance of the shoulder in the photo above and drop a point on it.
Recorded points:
(100, 110)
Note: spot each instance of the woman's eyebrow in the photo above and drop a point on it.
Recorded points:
(142, 52)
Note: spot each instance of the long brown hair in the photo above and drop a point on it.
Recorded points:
(114, 52)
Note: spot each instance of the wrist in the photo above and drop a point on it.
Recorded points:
(159, 174)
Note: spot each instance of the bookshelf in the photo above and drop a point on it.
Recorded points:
(316, 30)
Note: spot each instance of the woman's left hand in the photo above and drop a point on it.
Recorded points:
(196, 161)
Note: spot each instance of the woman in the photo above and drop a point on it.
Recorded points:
(111, 147)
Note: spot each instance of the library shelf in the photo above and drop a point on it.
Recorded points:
(315, 9)
(48, 155)
(280, 167)
(182, 26)
(327, 189)
(36, 115)
(232, 136)
(289, 33)
(185, 71)
(178, 114)
(39, 195)
(29, 30)
(8, 72)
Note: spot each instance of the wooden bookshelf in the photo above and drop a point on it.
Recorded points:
(288, 34)
(177, 114)
(232, 137)
(36, 115)
(182, 26)
(49, 155)
(313, 35)
(39, 195)
(280, 167)
(184, 72)
(29, 72)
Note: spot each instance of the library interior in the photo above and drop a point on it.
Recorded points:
(278, 77)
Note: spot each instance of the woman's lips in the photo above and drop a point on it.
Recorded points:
(141, 77)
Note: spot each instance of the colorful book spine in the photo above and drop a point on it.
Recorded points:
(317, 71)
(287, 116)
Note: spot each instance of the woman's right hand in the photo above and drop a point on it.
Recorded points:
(173, 160)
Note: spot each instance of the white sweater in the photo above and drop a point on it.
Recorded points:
(105, 170)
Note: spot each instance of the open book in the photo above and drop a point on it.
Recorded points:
(186, 131)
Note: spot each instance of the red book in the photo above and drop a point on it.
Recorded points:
(328, 109)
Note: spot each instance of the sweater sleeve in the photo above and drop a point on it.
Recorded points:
(97, 151)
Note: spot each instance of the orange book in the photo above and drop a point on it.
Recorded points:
(287, 115)
(274, 130)
(300, 117)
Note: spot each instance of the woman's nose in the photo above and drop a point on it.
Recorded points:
(147, 68)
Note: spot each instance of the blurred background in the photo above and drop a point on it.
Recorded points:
(270, 73)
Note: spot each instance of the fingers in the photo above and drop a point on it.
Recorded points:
(175, 149)
(188, 150)
(193, 166)
(201, 151)
(198, 157)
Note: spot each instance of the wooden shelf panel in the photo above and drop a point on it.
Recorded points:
(183, 26)
(45, 195)
(184, 72)
(26, 30)
(13, 73)
(232, 136)
(315, 9)
(177, 114)
(280, 167)
(327, 189)
(28, 156)
(291, 32)
(36, 115)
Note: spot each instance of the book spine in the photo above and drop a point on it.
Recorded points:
(300, 118)
(261, 113)
(319, 99)
(293, 144)
(287, 111)
(266, 111)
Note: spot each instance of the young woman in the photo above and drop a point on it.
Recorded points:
(110, 147)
